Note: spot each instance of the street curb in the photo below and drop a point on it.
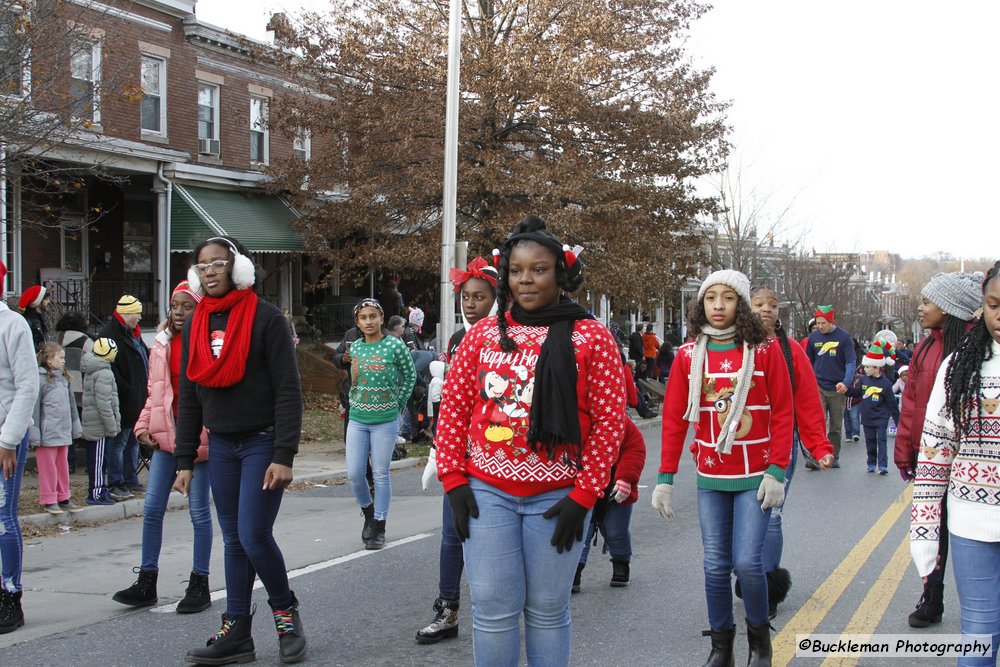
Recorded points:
(94, 514)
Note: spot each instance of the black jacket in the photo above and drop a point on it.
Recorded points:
(131, 371)
(350, 336)
(268, 396)
(38, 329)
(635, 347)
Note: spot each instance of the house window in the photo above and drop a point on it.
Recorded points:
(302, 144)
(259, 150)
(208, 111)
(154, 95)
(85, 80)
(15, 66)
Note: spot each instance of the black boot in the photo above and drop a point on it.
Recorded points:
(779, 582)
(232, 643)
(444, 625)
(11, 614)
(577, 576)
(619, 573)
(369, 528)
(930, 608)
(759, 638)
(722, 647)
(140, 594)
(197, 597)
(291, 636)
(378, 536)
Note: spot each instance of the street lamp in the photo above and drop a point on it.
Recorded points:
(449, 203)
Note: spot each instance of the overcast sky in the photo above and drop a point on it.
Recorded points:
(876, 120)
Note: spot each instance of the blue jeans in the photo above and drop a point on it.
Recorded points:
(875, 441)
(733, 527)
(513, 569)
(246, 516)
(616, 533)
(376, 441)
(11, 544)
(774, 541)
(162, 471)
(451, 563)
(977, 578)
(115, 455)
(852, 421)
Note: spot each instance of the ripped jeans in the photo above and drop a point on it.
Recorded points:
(11, 545)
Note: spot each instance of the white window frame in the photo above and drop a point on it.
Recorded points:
(302, 144)
(216, 98)
(95, 73)
(264, 103)
(161, 94)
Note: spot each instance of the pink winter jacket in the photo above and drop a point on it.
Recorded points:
(157, 417)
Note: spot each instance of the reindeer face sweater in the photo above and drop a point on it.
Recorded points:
(486, 405)
(764, 439)
(967, 469)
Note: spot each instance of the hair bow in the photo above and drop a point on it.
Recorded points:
(477, 268)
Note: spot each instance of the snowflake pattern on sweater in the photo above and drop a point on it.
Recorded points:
(966, 469)
(486, 404)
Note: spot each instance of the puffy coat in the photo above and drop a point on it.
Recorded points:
(56, 419)
(157, 416)
(924, 366)
(101, 416)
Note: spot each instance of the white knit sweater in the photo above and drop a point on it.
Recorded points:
(968, 470)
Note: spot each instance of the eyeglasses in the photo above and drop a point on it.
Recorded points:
(217, 265)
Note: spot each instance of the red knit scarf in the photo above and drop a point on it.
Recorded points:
(136, 332)
(228, 369)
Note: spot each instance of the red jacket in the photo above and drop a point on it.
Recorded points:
(763, 442)
(923, 369)
(631, 460)
(810, 418)
(631, 393)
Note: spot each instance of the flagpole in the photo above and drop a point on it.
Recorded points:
(449, 204)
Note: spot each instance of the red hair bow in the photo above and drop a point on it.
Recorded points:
(477, 268)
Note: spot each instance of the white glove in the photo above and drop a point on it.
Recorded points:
(622, 491)
(771, 491)
(430, 470)
(663, 497)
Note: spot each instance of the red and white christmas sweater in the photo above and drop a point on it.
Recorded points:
(486, 404)
(763, 441)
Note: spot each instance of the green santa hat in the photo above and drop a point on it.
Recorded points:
(879, 354)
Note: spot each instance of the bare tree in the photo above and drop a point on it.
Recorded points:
(63, 65)
(808, 281)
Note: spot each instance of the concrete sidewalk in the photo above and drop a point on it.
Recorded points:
(315, 461)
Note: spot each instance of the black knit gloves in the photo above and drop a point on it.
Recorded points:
(463, 505)
(570, 516)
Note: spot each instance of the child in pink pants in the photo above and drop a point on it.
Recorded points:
(56, 424)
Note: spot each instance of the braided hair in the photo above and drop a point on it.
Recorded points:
(953, 331)
(749, 328)
(569, 279)
(963, 379)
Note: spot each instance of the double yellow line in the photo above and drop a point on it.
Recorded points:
(871, 610)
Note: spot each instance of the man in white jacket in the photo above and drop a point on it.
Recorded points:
(18, 392)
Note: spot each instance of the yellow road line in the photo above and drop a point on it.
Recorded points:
(808, 618)
(872, 609)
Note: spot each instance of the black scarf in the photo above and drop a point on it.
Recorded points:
(555, 422)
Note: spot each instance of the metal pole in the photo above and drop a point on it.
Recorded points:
(449, 204)
(3, 214)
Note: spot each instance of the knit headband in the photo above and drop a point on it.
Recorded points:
(184, 287)
(129, 305)
(366, 303)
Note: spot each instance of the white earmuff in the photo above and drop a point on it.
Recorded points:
(194, 281)
(244, 273)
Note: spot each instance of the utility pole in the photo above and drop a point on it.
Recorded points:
(450, 204)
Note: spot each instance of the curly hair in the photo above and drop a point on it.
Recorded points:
(569, 279)
(749, 328)
(963, 380)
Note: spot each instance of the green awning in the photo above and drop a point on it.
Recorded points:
(260, 222)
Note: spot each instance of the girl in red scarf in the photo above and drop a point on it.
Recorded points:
(240, 380)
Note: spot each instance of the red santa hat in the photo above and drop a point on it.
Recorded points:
(31, 297)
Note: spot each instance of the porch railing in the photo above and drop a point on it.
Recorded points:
(96, 299)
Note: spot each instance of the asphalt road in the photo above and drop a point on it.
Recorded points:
(844, 544)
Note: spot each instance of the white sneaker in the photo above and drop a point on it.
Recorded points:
(400, 440)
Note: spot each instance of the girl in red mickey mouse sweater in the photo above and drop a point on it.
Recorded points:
(531, 420)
